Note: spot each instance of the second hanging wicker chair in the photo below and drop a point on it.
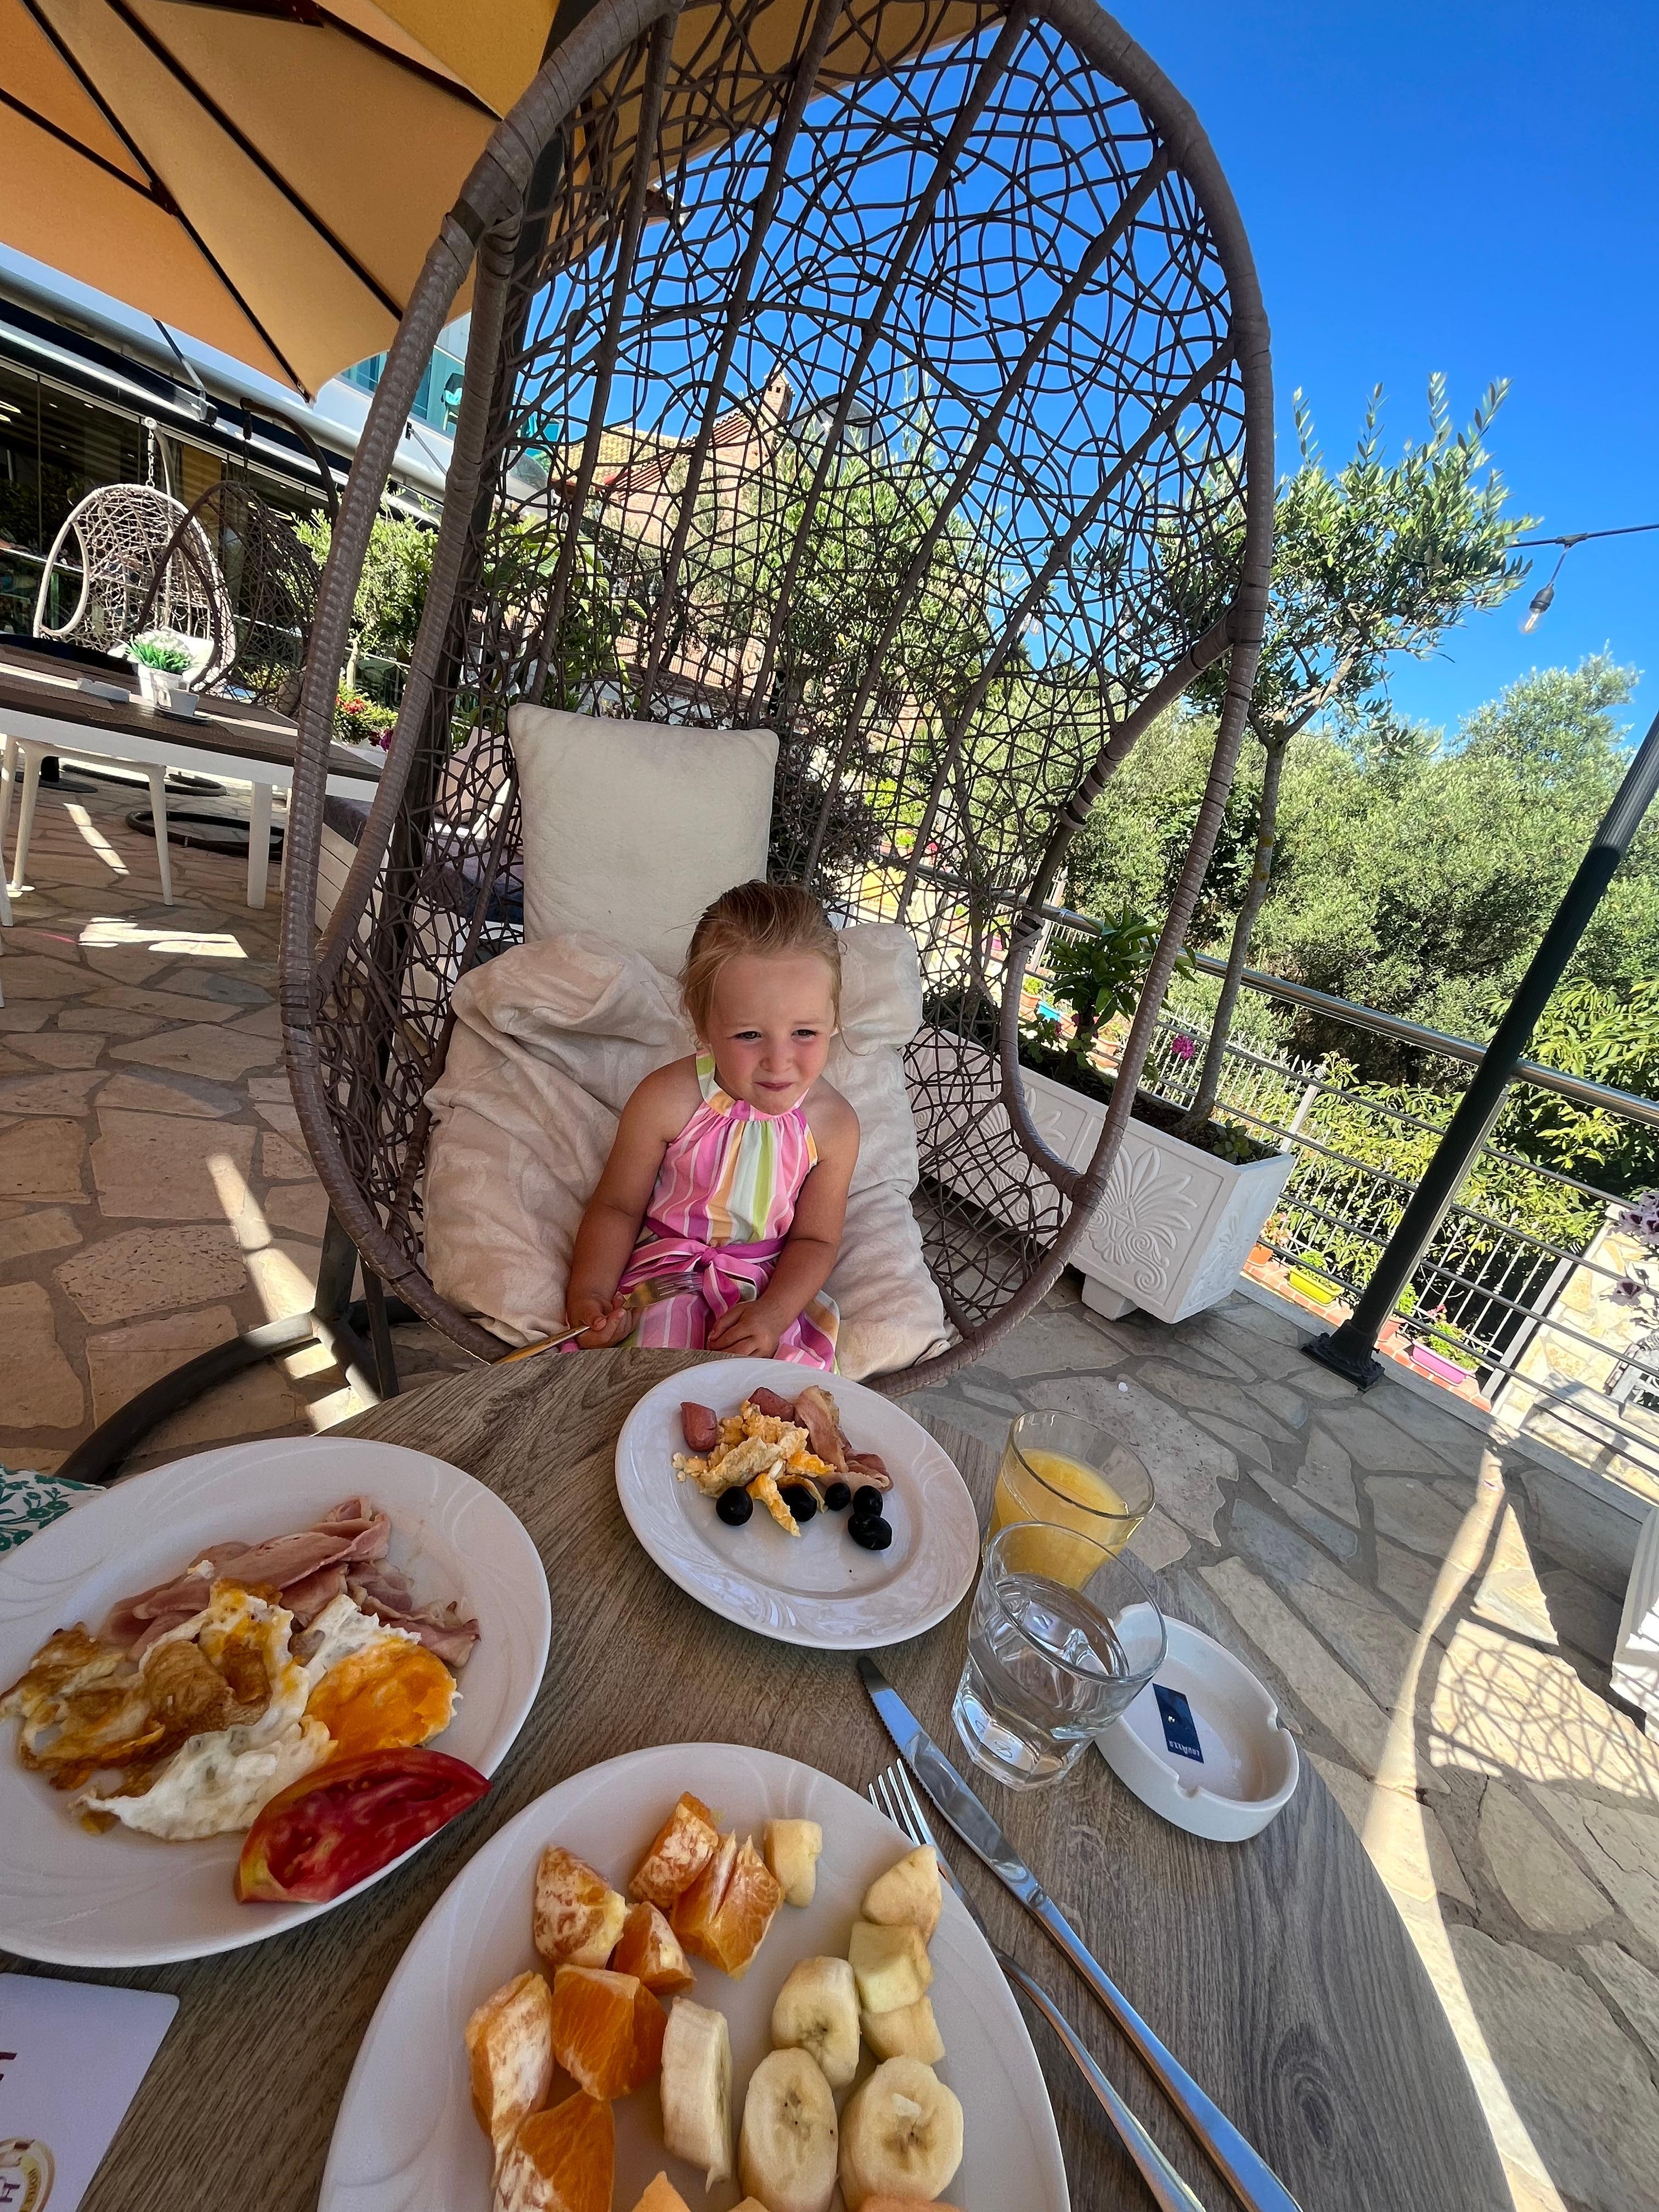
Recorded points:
(893, 375)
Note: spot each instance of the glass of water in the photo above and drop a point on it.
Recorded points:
(1063, 1634)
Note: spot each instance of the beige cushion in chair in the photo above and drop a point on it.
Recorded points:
(631, 828)
(550, 1041)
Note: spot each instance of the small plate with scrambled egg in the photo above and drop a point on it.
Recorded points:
(124, 1803)
(810, 1587)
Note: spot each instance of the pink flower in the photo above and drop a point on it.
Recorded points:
(1182, 1046)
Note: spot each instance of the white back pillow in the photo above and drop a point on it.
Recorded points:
(632, 828)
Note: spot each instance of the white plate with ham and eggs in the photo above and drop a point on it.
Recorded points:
(814, 1587)
(384, 1562)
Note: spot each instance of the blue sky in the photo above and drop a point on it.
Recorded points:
(1475, 190)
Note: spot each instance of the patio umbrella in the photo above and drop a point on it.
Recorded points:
(266, 175)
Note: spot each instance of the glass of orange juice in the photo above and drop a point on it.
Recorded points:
(1070, 1474)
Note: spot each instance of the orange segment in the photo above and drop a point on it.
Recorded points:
(745, 1911)
(650, 1948)
(681, 1850)
(594, 2027)
(694, 1911)
(661, 2195)
(650, 2025)
(563, 2160)
(578, 1916)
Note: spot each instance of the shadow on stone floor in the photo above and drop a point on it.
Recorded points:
(1433, 1610)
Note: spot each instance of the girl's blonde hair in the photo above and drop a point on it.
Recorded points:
(768, 919)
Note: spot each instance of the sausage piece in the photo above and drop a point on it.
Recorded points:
(700, 1426)
(768, 1401)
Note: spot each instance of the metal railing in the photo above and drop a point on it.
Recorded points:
(1511, 1304)
(1514, 1293)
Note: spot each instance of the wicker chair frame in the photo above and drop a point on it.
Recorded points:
(235, 555)
(895, 376)
(124, 535)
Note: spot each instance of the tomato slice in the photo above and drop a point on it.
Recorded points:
(336, 1827)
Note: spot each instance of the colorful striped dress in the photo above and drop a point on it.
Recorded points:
(720, 1209)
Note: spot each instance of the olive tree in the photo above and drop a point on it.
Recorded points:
(1378, 558)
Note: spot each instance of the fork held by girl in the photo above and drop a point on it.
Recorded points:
(731, 1166)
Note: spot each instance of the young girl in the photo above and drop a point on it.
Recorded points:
(731, 1166)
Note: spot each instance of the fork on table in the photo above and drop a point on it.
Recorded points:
(642, 1295)
(893, 1793)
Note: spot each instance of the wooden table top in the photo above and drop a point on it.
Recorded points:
(36, 683)
(1277, 1970)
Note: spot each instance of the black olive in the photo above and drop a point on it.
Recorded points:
(800, 1500)
(874, 1536)
(867, 1500)
(837, 1496)
(734, 1507)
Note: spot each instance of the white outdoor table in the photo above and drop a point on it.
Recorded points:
(43, 710)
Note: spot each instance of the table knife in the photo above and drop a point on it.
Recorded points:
(1248, 2173)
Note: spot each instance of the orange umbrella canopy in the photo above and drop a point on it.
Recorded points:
(266, 175)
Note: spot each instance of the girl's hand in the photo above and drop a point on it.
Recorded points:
(601, 1324)
(748, 1327)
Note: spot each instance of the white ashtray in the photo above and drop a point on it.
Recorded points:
(1244, 1768)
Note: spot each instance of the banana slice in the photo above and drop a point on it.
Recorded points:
(910, 2033)
(901, 2135)
(697, 2089)
(817, 2011)
(786, 2150)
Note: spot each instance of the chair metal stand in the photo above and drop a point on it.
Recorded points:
(357, 1334)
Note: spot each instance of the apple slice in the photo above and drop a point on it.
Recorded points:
(909, 1894)
(793, 1851)
(911, 2032)
(889, 1965)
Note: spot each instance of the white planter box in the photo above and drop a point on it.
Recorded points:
(1175, 1225)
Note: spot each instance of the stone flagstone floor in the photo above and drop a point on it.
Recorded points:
(1435, 1609)
(155, 1195)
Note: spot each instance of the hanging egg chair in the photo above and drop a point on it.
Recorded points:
(892, 378)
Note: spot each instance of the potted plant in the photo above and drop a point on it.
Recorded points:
(164, 665)
(1182, 1206)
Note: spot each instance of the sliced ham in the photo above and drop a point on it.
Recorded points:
(355, 1535)
(305, 1599)
(872, 1467)
(768, 1401)
(384, 1592)
(815, 1409)
(700, 1426)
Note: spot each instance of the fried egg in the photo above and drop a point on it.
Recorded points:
(362, 1686)
(218, 1781)
(383, 1697)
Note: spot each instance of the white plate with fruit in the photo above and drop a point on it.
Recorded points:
(562, 2035)
(869, 1539)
